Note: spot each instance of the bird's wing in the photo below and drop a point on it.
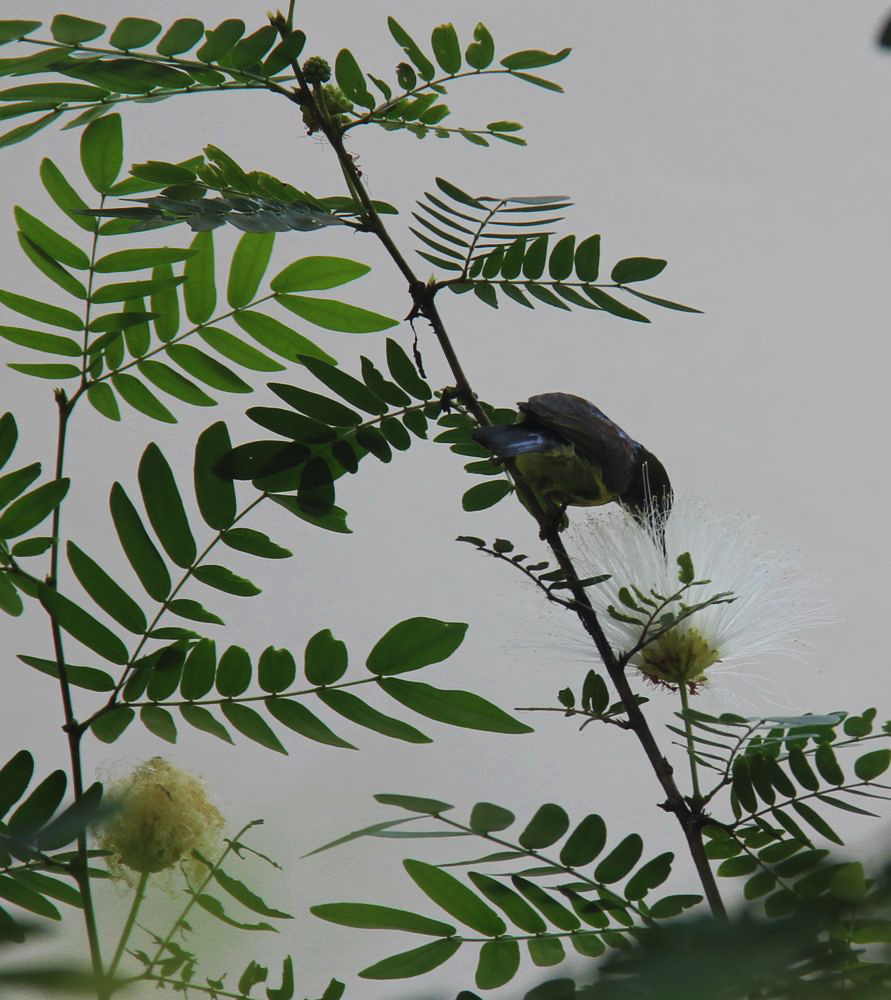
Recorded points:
(594, 435)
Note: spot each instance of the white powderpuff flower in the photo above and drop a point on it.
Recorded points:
(772, 602)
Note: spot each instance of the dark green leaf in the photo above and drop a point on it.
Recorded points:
(333, 315)
(207, 369)
(415, 643)
(199, 669)
(249, 723)
(546, 951)
(411, 49)
(105, 591)
(871, 765)
(255, 543)
(13, 484)
(498, 963)
(815, 820)
(158, 721)
(276, 670)
(237, 350)
(181, 36)
(637, 269)
(455, 898)
(533, 59)
(665, 303)
(238, 890)
(134, 33)
(249, 263)
(481, 51)
(827, 765)
(29, 510)
(138, 547)
(73, 30)
(215, 494)
(456, 708)
(200, 718)
(220, 40)
(510, 903)
(485, 495)
(133, 391)
(215, 908)
(102, 151)
(321, 408)
(347, 387)
(620, 860)
(234, 672)
(611, 305)
(332, 520)
(413, 803)
(110, 725)
(587, 259)
(299, 718)
(40, 805)
(367, 915)
(249, 51)
(172, 382)
(165, 507)
(9, 435)
(488, 818)
(404, 372)
(83, 626)
(554, 911)
(354, 709)
(54, 246)
(224, 579)
(278, 338)
(325, 658)
(649, 876)
(412, 963)
(20, 895)
(546, 827)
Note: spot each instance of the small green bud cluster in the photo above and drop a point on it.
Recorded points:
(337, 104)
(316, 70)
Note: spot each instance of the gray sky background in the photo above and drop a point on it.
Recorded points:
(747, 144)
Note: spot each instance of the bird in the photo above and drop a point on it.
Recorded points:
(570, 453)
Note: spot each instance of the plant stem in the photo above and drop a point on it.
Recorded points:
(138, 897)
(424, 305)
(688, 729)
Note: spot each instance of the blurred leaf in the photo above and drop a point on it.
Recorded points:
(485, 495)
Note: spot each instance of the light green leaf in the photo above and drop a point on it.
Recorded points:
(316, 273)
(199, 292)
(249, 263)
(533, 59)
(279, 338)
(158, 721)
(135, 260)
(38, 340)
(51, 243)
(134, 392)
(333, 315)
(43, 312)
(72, 30)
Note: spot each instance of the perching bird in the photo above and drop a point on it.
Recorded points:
(571, 453)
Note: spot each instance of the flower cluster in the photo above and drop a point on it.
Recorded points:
(755, 602)
(159, 816)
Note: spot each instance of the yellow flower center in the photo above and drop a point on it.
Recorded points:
(678, 657)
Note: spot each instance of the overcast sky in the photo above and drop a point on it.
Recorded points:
(747, 144)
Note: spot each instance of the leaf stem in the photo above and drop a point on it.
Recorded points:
(688, 728)
(138, 897)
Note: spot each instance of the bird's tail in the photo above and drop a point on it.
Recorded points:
(508, 440)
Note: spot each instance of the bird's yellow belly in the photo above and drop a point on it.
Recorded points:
(565, 477)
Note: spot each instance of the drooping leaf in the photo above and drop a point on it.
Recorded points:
(53, 245)
(620, 860)
(105, 591)
(357, 711)
(412, 963)
(252, 725)
(164, 507)
(138, 547)
(134, 392)
(199, 717)
(295, 716)
(82, 626)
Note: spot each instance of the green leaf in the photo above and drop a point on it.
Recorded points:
(164, 301)
(15, 483)
(237, 350)
(82, 626)
(89, 678)
(546, 951)
(485, 495)
(74, 30)
(20, 895)
(354, 709)
(333, 315)
(350, 79)
(367, 915)
(132, 391)
(411, 49)
(15, 777)
(587, 259)
(238, 890)
(105, 591)
(138, 547)
(413, 803)
(224, 579)
(404, 372)
(102, 151)
(64, 195)
(498, 964)
(611, 305)
(110, 725)
(412, 963)
(276, 670)
(172, 382)
(181, 36)
(215, 908)
(332, 520)
(446, 49)
(325, 658)
(134, 33)
(665, 303)
(249, 723)
(455, 898)
(299, 718)
(43, 312)
(249, 263)
(555, 912)
(159, 721)
(200, 718)
(481, 51)
(620, 860)
(637, 269)
(815, 820)
(649, 876)
(347, 387)
(279, 338)
(234, 672)
(415, 643)
(38, 340)
(546, 827)
(40, 805)
(249, 51)
(220, 40)
(135, 260)
(871, 765)
(215, 493)
(455, 708)
(49, 242)
(199, 291)
(187, 608)
(54, 372)
(488, 818)
(827, 765)
(14, 30)
(22, 132)
(533, 59)
(321, 408)
(206, 368)
(510, 903)
(562, 258)
(255, 543)
(585, 842)
(29, 510)
(164, 507)
(9, 435)
(199, 670)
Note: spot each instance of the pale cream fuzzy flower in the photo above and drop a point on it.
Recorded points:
(772, 601)
(160, 815)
